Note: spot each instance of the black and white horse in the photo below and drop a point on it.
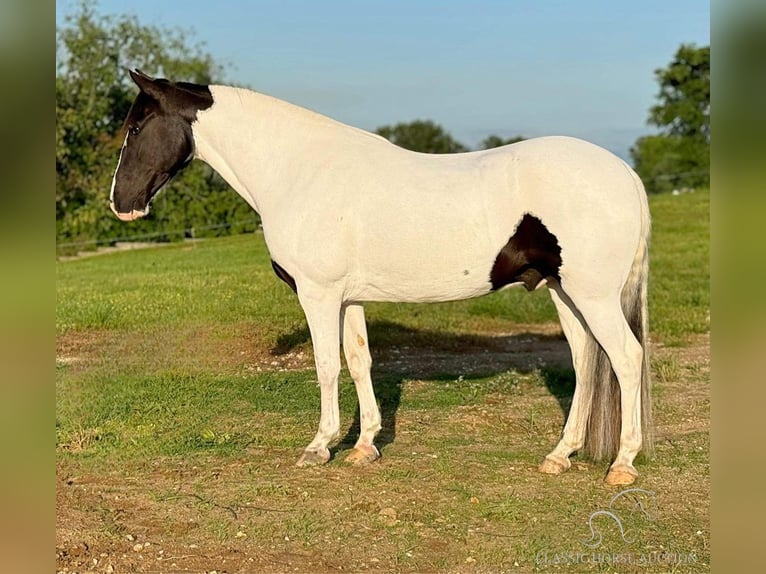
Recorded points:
(349, 217)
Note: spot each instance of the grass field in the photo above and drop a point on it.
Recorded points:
(185, 393)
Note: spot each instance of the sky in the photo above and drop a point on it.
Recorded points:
(583, 68)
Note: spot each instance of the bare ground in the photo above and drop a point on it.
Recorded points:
(448, 494)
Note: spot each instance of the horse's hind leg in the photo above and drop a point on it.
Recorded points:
(608, 325)
(573, 436)
(357, 351)
(322, 309)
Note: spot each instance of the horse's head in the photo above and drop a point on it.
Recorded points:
(158, 141)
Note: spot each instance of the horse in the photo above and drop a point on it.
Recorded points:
(348, 217)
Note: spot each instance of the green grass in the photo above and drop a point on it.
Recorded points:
(176, 395)
(229, 280)
(679, 277)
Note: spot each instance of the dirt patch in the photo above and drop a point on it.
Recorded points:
(525, 349)
(240, 350)
(697, 348)
(682, 378)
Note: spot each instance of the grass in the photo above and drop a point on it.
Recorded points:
(679, 279)
(229, 280)
(185, 392)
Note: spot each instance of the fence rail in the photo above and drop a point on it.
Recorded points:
(154, 235)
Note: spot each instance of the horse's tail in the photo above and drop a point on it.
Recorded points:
(602, 436)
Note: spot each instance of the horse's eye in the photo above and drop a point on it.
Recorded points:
(135, 130)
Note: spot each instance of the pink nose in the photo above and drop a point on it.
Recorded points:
(134, 214)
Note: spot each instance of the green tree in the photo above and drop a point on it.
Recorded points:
(93, 95)
(494, 141)
(684, 108)
(421, 135)
(679, 156)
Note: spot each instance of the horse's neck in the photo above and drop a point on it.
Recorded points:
(256, 142)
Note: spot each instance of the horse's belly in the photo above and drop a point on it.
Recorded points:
(414, 291)
(424, 274)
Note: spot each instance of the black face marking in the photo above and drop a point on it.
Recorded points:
(159, 140)
(531, 254)
(284, 275)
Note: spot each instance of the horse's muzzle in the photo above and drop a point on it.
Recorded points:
(132, 215)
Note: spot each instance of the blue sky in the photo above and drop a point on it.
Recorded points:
(515, 67)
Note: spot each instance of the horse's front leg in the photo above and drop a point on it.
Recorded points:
(357, 351)
(322, 309)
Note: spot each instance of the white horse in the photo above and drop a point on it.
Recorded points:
(349, 217)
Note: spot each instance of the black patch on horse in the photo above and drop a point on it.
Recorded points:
(531, 254)
(284, 275)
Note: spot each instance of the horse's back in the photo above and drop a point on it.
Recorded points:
(431, 227)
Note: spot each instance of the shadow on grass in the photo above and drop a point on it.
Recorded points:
(404, 353)
(286, 342)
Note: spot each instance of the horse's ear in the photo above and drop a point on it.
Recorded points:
(147, 84)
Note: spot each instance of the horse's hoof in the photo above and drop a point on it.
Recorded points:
(314, 457)
(622, 475)
(553, 466)
(363, 454)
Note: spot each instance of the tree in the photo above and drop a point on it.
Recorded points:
(659, 160)
(679, 156)
(93, 95)
(684, 108)
(421, 135)
(494, 141)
